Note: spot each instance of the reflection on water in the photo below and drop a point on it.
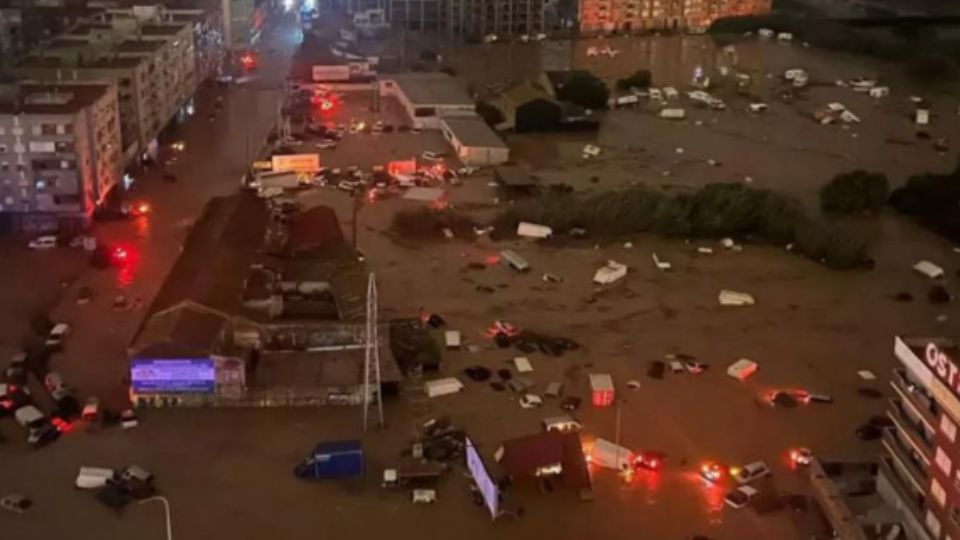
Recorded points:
(671, 59)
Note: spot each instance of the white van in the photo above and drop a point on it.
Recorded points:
(43, 242)
(561, 423)
(93, 477)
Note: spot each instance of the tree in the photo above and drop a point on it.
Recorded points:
(490, 114)
(538, 115)
(855, 192)
(585, 90)
(641, 79)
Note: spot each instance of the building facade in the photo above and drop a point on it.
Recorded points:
(472, 18)
(59, 153)
(152, 65)
(920, 469)
(601, 16)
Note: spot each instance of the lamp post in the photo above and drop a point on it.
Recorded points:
(166, 512)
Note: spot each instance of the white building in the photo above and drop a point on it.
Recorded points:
(473, 141)
(427, 98)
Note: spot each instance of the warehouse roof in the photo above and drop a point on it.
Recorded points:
(473, 131)
(432, 89)
(54, 98)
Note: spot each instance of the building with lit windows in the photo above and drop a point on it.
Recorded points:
(59, 153)
(919, 471)
(151, 63)
(601, 16)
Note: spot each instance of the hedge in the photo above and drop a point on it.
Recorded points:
(714, 211)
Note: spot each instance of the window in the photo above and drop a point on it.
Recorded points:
(48, 129)
(939, 494)
(21, 167)
(3, 149)
(943, 461)
(933, 524)
(948, 427)
(4, 166)
(36, 130)
(64, 147)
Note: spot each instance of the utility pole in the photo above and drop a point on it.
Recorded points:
(371, 361)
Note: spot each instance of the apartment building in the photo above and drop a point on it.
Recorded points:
(60, 153)
(600, 16)
(152, 65)
(919, 471)
(505, 18)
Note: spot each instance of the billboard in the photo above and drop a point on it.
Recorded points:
(296, 162)
(331, 73)
(158, 376)
(486, 485)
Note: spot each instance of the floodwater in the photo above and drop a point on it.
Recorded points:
(672, 59)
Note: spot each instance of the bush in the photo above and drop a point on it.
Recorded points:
(933, 200)
(713, 211)
(423, 222)
(641, 79)
(490, 114)
(855, 192)
(585, 90)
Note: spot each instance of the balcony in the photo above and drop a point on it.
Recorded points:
(907, 458)
(910, 498)
(917, 396)
(920, 438)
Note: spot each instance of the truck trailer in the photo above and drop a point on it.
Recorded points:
(337, 459)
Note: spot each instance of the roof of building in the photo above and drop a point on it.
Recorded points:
(56, 62)
(54, 99)
(186, 330)
(337, 368)
(217, 255)
(514, 176)
(169, 29)
(142, 45)
(523, 456)
(314, 229)
(432, 89)
(558, 79)
(473, 131)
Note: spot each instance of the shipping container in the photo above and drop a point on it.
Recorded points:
(612, 456)
(601, 389)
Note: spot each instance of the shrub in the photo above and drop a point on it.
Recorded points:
(490, 114)
(423, 222)
(714, 210)
(585, 90)
(727, 209)
(855, 192)
(933, 200)
(640, 79)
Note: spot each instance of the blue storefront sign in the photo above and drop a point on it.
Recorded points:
(159, 376)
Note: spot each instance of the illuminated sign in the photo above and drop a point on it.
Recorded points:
(296, 163)
(331, 73)
(943, 367)
(172, 376)
(486, 485)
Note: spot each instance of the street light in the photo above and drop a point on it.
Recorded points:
(166, 511)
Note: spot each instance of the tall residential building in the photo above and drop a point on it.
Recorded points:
(597, 16)
(504, 18)
(60, 153)
(152, 64)
(920, 469)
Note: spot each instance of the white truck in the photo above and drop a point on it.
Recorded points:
(612, 456)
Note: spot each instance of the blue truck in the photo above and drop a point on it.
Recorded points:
(337, 459)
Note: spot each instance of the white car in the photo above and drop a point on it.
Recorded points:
(93, 477)
(415, 131)
(750, 472)
(43, 242)
(91, 409)
(432, 156)
(530, 401)
(57, 335)
(740, 497)
(326, 145)
(466, 171)
(490, 38)
(347, 185)
(540, 37)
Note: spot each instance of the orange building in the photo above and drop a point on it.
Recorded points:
(598, 16)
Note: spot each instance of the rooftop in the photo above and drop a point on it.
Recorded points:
(183, 331)
(145, 46)
(432, 89)
(473, 131)
(54, 99)
(53, 62)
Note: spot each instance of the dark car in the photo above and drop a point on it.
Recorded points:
(656, 369)
(42, 435)
(570, 403)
